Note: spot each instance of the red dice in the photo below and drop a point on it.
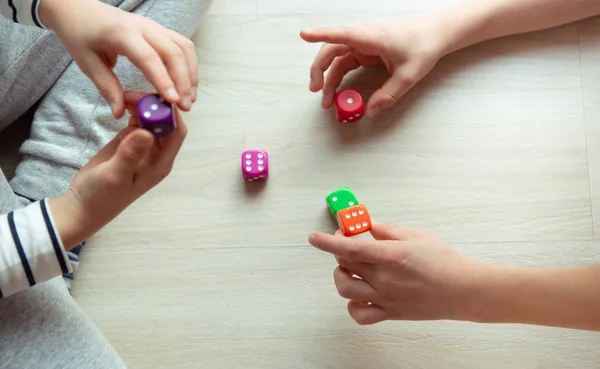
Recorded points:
(349, 105)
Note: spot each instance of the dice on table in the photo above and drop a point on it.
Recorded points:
(349, 105)
(156, 115)
(354, 220)
(255, 165)
(339, 199)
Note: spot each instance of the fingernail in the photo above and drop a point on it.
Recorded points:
(172, 93)
(113, 108)
(194, 93)
(326, 98)
(187, 101)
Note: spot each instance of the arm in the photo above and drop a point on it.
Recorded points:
(568, 298)
(33, 239)
(411, 47)
(474, 21)
(31, 249)
(407, 274)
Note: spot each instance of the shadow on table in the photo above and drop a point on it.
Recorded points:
(368, 80)
(254, 189)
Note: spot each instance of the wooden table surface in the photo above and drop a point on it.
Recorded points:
(496, 152)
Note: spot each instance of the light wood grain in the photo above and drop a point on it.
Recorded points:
(489, 153)
(490, 147)
(344, 7)
(276, 307)
(589, 36)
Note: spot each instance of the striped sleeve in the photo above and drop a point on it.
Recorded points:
(31, 251)
(22, 11)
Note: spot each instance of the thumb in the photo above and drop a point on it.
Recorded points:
(388, 232)
(392, 90)
(106, 82)
(130, 153)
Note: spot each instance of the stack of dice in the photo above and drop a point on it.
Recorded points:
(352, 217)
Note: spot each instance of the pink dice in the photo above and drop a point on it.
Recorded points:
(349, 106)
(255, 165)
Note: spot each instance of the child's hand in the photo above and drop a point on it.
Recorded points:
(95, 34)
(408, 48)
(125, 169)
(406, 274)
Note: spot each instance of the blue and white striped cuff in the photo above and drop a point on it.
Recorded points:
(26, 12)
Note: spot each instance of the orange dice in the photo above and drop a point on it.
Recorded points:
(354, 220)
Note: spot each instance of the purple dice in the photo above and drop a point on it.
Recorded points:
(156, 115)
(255, 165)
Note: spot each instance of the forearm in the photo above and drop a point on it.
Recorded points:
(567, 298)
(473, 21)
(72, 225)
(31, 250)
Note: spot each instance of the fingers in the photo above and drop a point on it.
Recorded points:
(323, 60)
(363, 270)
(351, 36)
(392, 232)
(131, 151)
(106, 82)
(392, 90)
(131, 99)
(353, 288)
(365, 314)
(339, 68)
(175, 61)
(143, 56)
(352, 249)
(172, 144)
(109, 149)
(396, 232)
(189, 48)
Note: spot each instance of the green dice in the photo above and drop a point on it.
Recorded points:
(340, 199)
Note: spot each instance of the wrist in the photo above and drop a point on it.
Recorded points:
(72, 224)
(47, 12)
(494, 288)
(567, 298)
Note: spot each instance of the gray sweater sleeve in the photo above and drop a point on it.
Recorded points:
(31, 251)
(22, 11)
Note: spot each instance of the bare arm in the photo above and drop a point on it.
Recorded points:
(407, 274)
(568, 298)
(473, 21)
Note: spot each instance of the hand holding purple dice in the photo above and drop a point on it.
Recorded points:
(255, 165)
(156, 115)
